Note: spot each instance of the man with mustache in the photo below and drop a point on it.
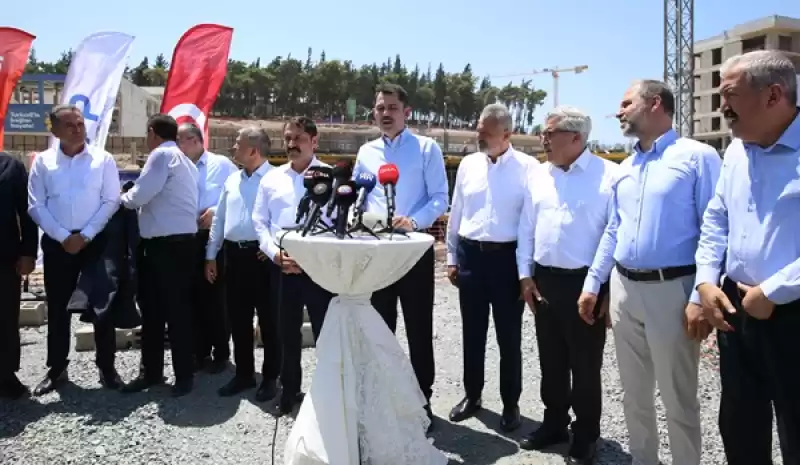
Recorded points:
(487, 203)
(571, 201)
(211, 332)
(275, 210)
(751, 233)
(247, 269)
(648, 250)
(422, 197)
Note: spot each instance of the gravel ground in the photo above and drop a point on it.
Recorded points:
(86, 425)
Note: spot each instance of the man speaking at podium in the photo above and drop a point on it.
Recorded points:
(275, 209)
(422, 197)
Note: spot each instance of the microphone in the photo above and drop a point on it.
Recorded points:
(342, 172)
(365, 182)
(319, 194)
(345, 196)
(305, 201)
(388, 176)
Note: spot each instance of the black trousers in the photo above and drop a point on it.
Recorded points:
(211, 330)
(759, 364)
(247, 290)
(61, 273)
(487, 278)
(10, 292)
(415, 292)
(295, 291)
(166, 266)
(570, 354)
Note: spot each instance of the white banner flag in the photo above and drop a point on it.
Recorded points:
(93, 81)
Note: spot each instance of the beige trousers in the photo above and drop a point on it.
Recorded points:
(647, 319)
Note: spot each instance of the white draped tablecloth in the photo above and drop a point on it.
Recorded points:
(364, 405)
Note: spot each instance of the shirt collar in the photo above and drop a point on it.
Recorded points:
(660, 144)
(84, 151)
(789, 139)
(502, 158)
(203, 158)
(314, 162)
(259, 173)
(167, 144)
(398, 140)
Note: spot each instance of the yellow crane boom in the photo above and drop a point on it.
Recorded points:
(555, 72)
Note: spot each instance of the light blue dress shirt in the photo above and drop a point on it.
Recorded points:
(165, 194)
(754, 219)
(656, 208)
(422, 192)
(213, 171)
(233, 220)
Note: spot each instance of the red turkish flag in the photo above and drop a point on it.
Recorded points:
(198, 68)
(15, 45)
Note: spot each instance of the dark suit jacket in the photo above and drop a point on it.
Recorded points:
(107, 286)
(19, 235)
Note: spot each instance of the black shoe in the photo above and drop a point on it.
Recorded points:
(286, 404)
(50, 384)
(465, 409)
(12, 388)
(511, 419)
(267, 391)
(429, 412)
(141, 384)
(182, 387)
(544, 438)
(110, 379)
(236, 386)
(216, 366)
(581, 453)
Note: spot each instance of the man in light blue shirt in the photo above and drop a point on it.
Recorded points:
(656, 207)
(166, 196)
(247, 269)
(211, 332)
(422, 197)
(751, 233)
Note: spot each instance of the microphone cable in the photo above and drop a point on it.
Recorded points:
(278, 311)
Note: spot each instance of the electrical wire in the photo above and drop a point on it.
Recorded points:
(278, 323)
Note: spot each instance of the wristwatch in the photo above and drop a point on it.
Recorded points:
(414, 226)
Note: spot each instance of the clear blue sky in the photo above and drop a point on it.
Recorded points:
(620, 40)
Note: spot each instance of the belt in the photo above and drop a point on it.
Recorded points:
(168, 239)
(487, 246)
(663, 274)
(242, 244)
(562, 271)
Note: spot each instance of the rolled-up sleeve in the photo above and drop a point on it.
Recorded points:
(151, 181)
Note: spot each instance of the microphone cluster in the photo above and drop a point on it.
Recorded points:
(335, 191)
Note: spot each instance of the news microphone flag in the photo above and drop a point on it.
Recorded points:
(93, 81)
(15, 45)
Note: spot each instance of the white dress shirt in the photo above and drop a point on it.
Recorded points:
(213, 171)
(233, 220)
(488, 198)
(565, 214)
(275, 209)
(78, 193)
(165, 194)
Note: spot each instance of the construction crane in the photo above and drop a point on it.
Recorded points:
(555, 72)
(679, 60)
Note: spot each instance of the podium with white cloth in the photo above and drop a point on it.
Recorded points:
(364, 405)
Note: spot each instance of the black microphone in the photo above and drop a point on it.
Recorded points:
(345, 198)
(305, 201)
(342, 172)
(320, 194)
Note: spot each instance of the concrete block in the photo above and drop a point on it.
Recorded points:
(126, 338)
(308, 335)
(32, 313)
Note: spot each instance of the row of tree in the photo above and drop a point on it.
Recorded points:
(322, 87)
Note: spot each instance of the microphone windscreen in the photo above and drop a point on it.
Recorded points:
(388, 174)
(365, 181)
(321, 192)
(343, 169)
(346, 194)
(308, 177)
